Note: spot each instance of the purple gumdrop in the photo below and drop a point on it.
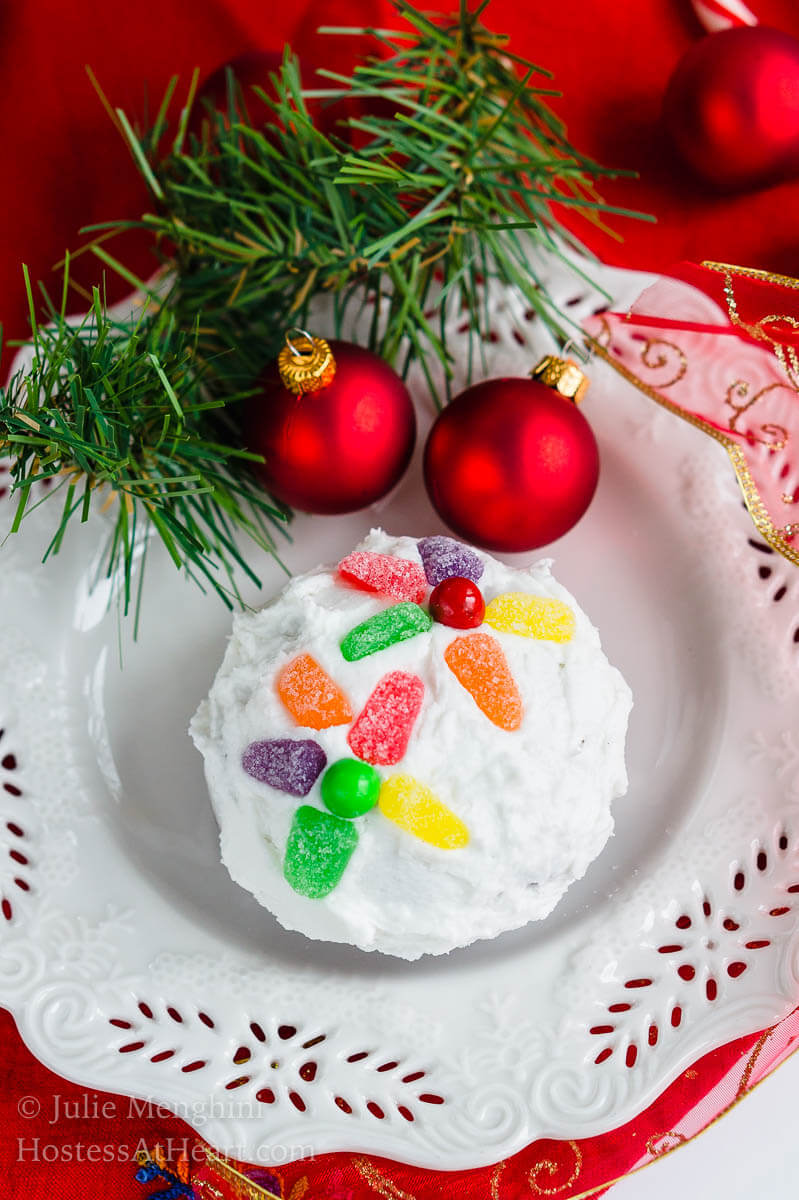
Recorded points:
(443, 557)
(292, 766)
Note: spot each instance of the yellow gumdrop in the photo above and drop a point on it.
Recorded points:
(417, 810)
(531, 616)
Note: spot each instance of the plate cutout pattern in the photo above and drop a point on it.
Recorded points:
(275, 1063)
(695, 959)
(778, 577)
(16, 843)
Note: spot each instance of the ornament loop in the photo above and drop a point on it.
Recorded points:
(307, 339)
(306, 364)
(583, 352)
(563, 375)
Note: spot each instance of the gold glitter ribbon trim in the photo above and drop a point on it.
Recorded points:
(757, 509)
(552, 1168)
(378, 1182)
(786, 354)
(246, 1189)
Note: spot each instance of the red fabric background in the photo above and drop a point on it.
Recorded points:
(66, 167)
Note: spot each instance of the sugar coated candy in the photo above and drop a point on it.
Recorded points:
(291, 766)
(531, 616)
(443, 556)
(397, 577)
(381, 731)
(311, 696)
(417, 810)
(350, 787)
(392, 625)
(479, 664)
(318, 849)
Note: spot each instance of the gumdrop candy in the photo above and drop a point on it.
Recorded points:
(443, 556)
(318, 849)
(397, 577)
(381, 731)
(394, 624)
(478, 663)
(311, 696)
(531, 616)
(417, 810)
(350, 787)
(290, 766)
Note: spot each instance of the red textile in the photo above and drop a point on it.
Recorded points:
(63, 1142)
(67, 168)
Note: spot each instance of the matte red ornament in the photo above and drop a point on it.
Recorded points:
(457, 602)
(512, 464)
(732, 107)
(341, 446)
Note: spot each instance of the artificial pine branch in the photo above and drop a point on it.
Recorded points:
(118, 411)
(409, 213)
(259, 221)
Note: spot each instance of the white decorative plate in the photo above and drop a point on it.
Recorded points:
(133, 963)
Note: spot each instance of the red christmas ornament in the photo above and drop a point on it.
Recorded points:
(732, 107)
(334, 423)
(457, 602)
(512, 464)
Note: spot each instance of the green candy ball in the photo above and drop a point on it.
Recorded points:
(350, 787)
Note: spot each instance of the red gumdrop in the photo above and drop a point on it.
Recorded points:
(397, 577)
(457, 602)
(381, 732)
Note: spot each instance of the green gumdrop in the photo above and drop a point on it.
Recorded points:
(394, 624)
(317, 852)
(350, 787)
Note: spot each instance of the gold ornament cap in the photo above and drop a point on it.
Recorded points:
(306, 363)
(563, 375)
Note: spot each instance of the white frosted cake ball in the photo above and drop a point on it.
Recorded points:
(402, 784)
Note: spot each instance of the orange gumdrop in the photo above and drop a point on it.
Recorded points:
(311, 696)
(479, 664)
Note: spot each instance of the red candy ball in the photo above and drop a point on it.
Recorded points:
(457, 602)
(732, 107)
(511, 465)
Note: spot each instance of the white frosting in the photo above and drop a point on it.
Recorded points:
(536, 801)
